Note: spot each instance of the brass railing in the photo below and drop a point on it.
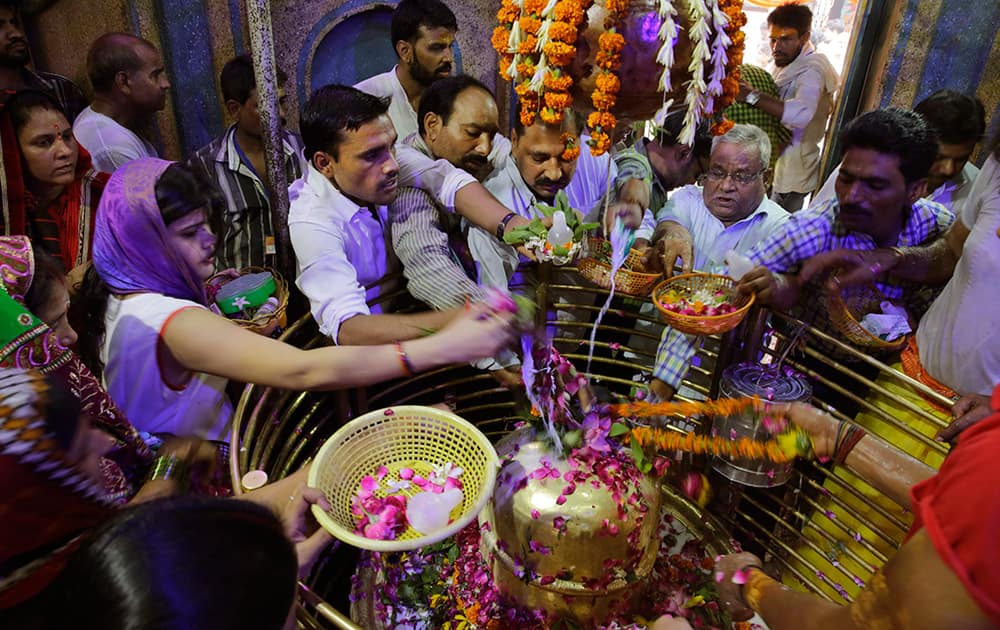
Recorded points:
(809, 529)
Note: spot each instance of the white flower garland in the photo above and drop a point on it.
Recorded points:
(667, 35)
(695, 97)
(548, 16)
(513, 42)
(720, 43)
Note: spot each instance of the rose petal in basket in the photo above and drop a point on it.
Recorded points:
(691, 283)
(408, 436)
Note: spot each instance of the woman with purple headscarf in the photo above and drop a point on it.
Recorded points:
(166, 358)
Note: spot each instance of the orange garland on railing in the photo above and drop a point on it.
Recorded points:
(720, 407)
(780, 450)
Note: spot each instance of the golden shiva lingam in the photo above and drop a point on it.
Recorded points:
(572, 528)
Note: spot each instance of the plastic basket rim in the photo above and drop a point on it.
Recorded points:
(370, 544)
(695, 318)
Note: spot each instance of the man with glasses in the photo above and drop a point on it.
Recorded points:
(731, 212)
(806, 83)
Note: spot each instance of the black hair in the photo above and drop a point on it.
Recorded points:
(792, 15)
(13, 5)
(410, 15)
(49, 273)
(439, 97)
(110, 54)
(20, 105)
(182, 563)
(180, 190)
(237, 79)
(956, 117)
(893, 131)
(667, 135)
(571, 117)
(332, 110)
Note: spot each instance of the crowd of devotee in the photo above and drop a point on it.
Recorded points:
(117, 382)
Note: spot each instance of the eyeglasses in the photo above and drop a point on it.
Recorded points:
(741, 177)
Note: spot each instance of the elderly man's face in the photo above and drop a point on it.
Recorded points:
(538, 154)
(467, 138)
(734, 182)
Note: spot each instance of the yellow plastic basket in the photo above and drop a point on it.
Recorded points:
(687, 284)
(408, 436)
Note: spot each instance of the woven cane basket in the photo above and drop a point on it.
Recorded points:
(267, 323)
(407, 436)
(631, 278)
(690, 283)
(848, 308)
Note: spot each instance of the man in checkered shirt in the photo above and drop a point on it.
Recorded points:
(886, 157)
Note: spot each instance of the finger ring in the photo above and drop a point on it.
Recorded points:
(876, 268)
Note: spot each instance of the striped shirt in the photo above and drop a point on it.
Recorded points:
(246, 238)
(431, 244)
(66, 93)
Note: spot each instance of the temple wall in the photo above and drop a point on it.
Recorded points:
(936, 44)
(315, 43)
(930, 44)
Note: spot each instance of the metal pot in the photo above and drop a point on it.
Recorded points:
(770, 383)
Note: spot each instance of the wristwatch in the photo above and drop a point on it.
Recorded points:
(752, 97)
(502, 226)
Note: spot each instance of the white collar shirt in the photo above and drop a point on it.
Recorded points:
(404, 118)
(711, 237)
(342, 250)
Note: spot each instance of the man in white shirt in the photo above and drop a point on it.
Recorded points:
(959, 122)
(731, 212)
(338, 216)
(130, 86)
(422, 34)
(806, 82)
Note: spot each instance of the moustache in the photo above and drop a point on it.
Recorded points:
(445, 67)
(545, 182)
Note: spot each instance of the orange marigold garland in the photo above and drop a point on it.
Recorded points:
(572, 151)
(536, 41)
(783, 449)
(607, 85)
(720, 407)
